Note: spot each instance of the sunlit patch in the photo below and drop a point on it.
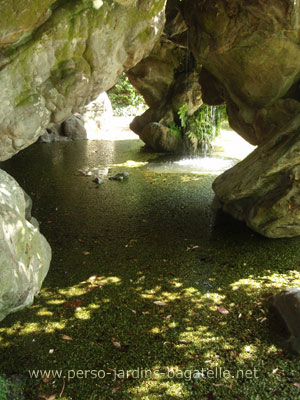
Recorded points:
(82, 313)
(56, 302)
(51, 327)
(131, 164)
(248, 352)
(44, 312)
(97, 4)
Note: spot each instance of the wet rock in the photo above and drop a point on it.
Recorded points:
(287, 304)
(99, 180)
(119, 177)
(24, 253)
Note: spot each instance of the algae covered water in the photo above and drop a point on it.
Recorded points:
(146, 277)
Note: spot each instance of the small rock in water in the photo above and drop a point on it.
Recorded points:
(98, 180)
(119, 177)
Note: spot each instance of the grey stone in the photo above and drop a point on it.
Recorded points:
(287, 304)
(119, 177)
(24, 252)
(74, 128)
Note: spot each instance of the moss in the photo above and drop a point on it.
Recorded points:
(121, 247)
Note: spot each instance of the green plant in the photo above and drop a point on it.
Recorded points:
(125, 99)
(174, 129)
(183, 115)
(3, 389)
(204, 124)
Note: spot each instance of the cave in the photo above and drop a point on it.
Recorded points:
(99, 256)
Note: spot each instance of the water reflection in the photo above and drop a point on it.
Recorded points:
(194, 165)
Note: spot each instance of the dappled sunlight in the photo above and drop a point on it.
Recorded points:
(145, 276)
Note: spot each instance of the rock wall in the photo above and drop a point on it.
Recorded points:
(56, 57)
(250, 57)
(24, 253)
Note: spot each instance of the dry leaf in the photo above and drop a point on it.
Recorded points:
(74, 303)
(115, 343)
(297, 384)
(223, 310)
(86, 253)
(47, 397)
(160, 303)
(47, 378)
(66, 337)
(116, 388)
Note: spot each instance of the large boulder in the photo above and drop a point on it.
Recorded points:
(56, 57)
(287, 304)
(264, 189)
(24, 252)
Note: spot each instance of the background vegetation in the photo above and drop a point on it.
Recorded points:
(125, 99)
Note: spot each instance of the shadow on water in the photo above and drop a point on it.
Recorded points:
(147, 265)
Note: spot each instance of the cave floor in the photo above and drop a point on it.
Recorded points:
(148, 287)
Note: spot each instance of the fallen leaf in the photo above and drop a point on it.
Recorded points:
(47, 397)
(160, 303)
(223, 310)
(47, 378)
(115, 343)
(86, 253)
(116, 388)
(74, 303)
(66, 337)
(297, 384)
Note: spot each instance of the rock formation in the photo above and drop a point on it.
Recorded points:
(287, 305)
(249, 52)
(24, 253)
(57, 56)
(167, 79)
(89, 123)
